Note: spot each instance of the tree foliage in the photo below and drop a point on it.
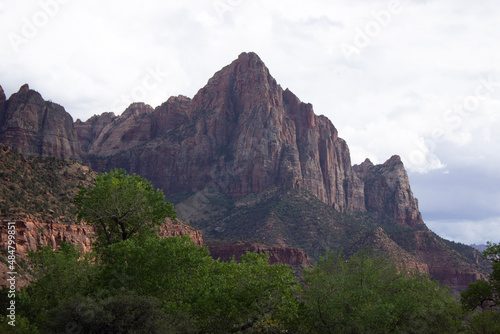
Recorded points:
(250, 295)
(367, 294)
(482, 298)
(485, 293)
(123, 313)
(121, 206)
(157, 285)
(60, 274)
(219, 297)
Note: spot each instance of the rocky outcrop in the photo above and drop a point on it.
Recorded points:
(177, 229)
(36, 127)
(381, 243)
(129, 130)
(447, 267)
(90, 130)
(2, 104)
(387, 191)
(32, 234)
(294, 257)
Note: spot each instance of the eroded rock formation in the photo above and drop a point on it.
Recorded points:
(277, 254)
(34, 126)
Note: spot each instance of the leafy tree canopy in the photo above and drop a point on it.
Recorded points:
(122, 206)
(219, 297)
(367, 294)
(482, 298)
(482, 293)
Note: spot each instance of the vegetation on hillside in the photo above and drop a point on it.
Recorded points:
(301, 220)
(43, 187)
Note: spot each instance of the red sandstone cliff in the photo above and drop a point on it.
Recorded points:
(277, 254)
(36, 127)
(241, 133)
(387, 190)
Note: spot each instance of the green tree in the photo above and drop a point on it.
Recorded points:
(250, 295)
(58, 275)
(126, 312)
(211, 296)
(482, 298)
(367, 294)
(485, 293)
(174, 269)
(22, 326)
(121, 206)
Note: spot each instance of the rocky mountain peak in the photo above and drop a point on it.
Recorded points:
(387, 190)
(364, 167)
(2, 95)
(240, 85)
(37, 127)
(24, 88)
(137, 109)
(394, 161)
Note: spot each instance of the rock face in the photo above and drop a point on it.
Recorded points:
(31, 234)
(387, 190)
(171, 229)
(90, 130)
(36, 127)
(277, 254)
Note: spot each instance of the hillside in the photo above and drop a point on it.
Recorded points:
(41, 187)
(296, 218)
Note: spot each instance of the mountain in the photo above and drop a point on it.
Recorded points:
(37, 127)
(247, 159)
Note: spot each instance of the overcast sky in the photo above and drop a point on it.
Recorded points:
(420, 79)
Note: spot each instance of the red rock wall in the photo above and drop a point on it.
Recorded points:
(287, 255)
(36, 127)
